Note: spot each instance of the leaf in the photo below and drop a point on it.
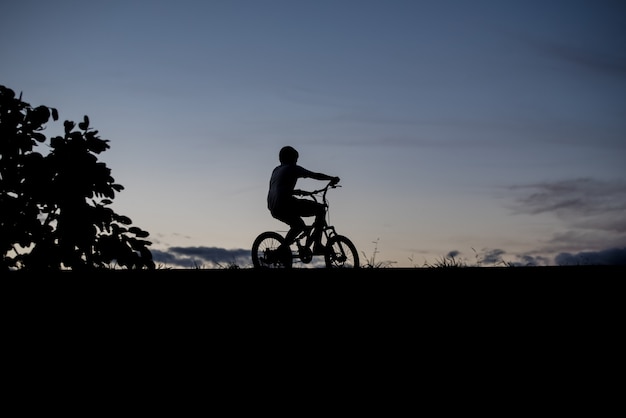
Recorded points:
(38, 136)
(69, 125)
(138, 232)
(96, 144)
(84, 125)
(124, 220)
(56, 142)
(39, 116)
(55, 113)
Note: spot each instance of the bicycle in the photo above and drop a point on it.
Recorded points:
(338, 250)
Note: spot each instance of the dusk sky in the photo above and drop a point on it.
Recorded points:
(487, 130)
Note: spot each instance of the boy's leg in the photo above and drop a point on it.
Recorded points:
(318, 225)
(305, 207)
(296, 225)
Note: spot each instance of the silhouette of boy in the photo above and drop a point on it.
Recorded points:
(287, 208)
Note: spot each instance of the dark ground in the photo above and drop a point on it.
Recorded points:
(470, 338)
(415, 272)
(511, 316)
(382, 285)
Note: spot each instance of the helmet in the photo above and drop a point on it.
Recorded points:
(288, 155)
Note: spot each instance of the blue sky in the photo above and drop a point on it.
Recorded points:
(493, 131)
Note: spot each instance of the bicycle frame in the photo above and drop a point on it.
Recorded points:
(327, 229)
(327, 232)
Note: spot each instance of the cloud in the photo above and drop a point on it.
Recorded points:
(495, 257)
(201, 257)
(592, 212)
(610, 257)
(585, 58)
(596, 60)
(583, 203)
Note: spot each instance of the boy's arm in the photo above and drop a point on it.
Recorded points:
(320, 176)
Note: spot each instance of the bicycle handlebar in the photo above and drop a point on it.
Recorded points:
(330, 184)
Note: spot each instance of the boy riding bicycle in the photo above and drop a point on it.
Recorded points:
(286, 207)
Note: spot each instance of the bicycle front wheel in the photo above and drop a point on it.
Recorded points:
(341, 253)
(265, 254)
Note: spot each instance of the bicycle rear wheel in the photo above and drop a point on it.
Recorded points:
(265, 254)
(341, 253)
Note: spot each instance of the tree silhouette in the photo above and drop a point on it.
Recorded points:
(53, 207)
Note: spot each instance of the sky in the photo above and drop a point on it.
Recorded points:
(488, 132)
